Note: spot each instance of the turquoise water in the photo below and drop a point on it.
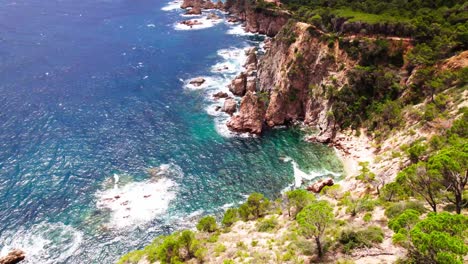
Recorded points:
(92, 95)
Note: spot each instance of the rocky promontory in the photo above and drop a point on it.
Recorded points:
(13, 257)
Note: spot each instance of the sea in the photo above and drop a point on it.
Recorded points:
(104, 143)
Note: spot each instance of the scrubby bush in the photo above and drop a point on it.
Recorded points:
(267, 224)
(297, 200)
(207, 224)
(230, 217)
(256, 206)
(396, 209)
(367, 237)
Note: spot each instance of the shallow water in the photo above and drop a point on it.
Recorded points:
(92, 95)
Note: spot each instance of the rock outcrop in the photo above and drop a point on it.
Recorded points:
(318, 186)
(239, 85)
(13, 257)
(251, 115)
(201, 4)
(258, 18)
(230, 106)
(197, 81)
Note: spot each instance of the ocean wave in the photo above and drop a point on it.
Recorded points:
(44, 243)
(301, 176)
(238, 29)
(204, 22)
(173, 5)
(137, 203)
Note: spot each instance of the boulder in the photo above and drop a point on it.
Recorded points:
(238, 85)
(230, 106)
(197, 81)
(191, 23)
(318, 186)
(13, 257)
(213, 16)
(219, 95)
(196, 10)
(251, 115)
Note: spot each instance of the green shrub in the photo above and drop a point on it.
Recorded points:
(396, 209)
(230, 217)
(367, 237)
(367, 217)
(267, 224)
(256, 206)
(254, 243)
(207, 224)
(219, 248)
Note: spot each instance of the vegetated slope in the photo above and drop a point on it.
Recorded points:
(385, 83)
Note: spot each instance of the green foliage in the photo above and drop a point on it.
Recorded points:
(366, 175)
(402, 224)
(416, 151)
(297, 200)
(356, 205)
(256, 206)
(393, 191)
(314, 219)
(395, 209)
(267, 224)
(366, 237)
(175, 248)
(367, 217)
(230, 217)
(219, 248)
(440, 238)
(334, 191)
(207, 224)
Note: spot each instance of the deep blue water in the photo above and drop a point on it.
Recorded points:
(92, 88)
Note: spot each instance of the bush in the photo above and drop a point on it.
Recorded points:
(362, 238)
(207, 224)
(219, 248)
(396, 209)
(367, 217)
(230, 217)
(267, 224)
(256, 206)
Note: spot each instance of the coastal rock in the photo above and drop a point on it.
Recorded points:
(250, 117)
(13, 257)
(230, 106)
(202, 4)
(219, 95)
(251, 84)
(213, 16)
(191, 23)
(197, 81)
(257, 19)
(251, 57)
(196, 10)
(318, 186)
(238, 85)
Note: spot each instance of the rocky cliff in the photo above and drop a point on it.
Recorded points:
(259, 17)
(294, 74)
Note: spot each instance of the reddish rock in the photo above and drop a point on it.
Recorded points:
(251, 57)
(219, 95)
(197, 81)
(13, 257)
(251, 84)
(238, 85)
(213, 16)
(230, 106)
(191, 23)
(318, 186)
(250, 117)
(196, 10)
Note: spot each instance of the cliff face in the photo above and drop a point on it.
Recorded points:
(263, 20)
(294, 74)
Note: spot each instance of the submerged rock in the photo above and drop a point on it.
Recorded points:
(199, 80)
(13, 257)
(213, 16)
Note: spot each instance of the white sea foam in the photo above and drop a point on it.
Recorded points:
(44, 243)
(204, 22)
(151, 25)
(173, 5)
(300, 175)
(238, 29)
(137, 203)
